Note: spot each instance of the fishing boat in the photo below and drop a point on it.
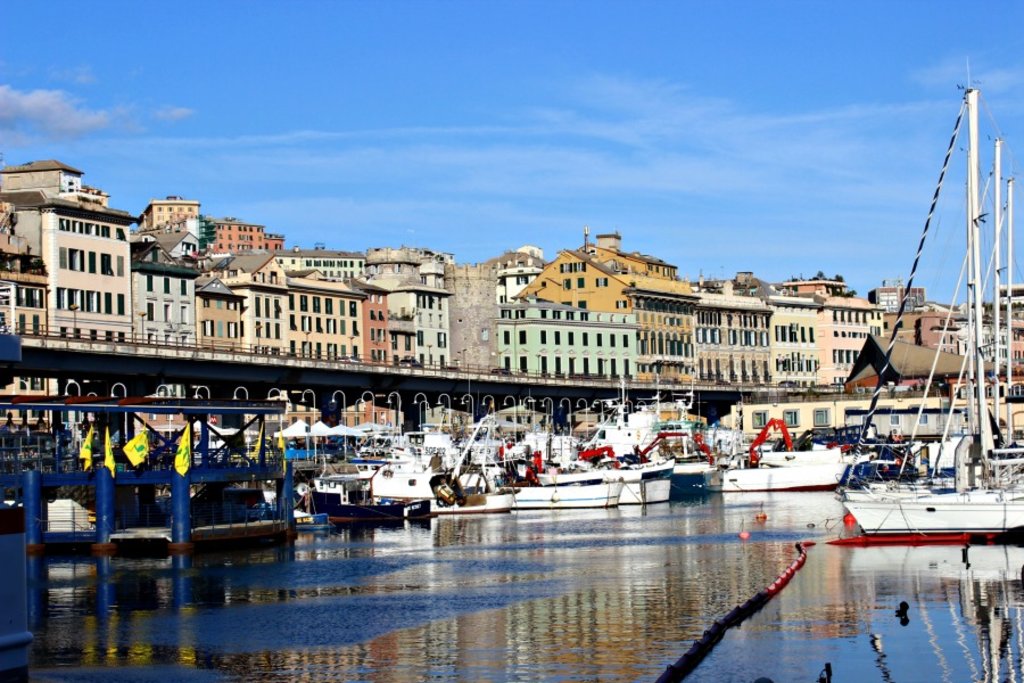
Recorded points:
(347, 498)
(644, 482)
(780, 469)
(467, 487)
(597, 491)
(988, 497)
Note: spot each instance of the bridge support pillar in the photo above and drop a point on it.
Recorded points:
(104, 512)
(285, 495)
(35, 516)
(181, 514)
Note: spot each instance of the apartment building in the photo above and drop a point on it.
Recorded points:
(219, 312)
(171, 210)
(376, 343)
(540, 337)
(603, 278)
(83, 246)
(163, 296)
(262, 284)
(732, 333)
(794, 344)
(234, 236)
(332, 264)
(418, 302)
(324, 316)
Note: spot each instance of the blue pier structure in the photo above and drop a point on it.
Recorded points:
(196, 484)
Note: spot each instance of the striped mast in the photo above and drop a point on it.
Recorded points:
(869, 418)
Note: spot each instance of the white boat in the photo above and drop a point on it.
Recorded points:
(594, 493)
(778, 469)
(974, 512)
(644, 483)
(463, 489)
(989, 500)
(730, 479)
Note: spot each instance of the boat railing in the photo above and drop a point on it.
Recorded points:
(230, 514)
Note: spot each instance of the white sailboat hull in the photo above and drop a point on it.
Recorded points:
(975, 512)
(804, 478)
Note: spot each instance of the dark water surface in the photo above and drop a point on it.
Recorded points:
(603, 595)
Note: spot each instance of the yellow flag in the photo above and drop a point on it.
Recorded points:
(183, 458)
(85, 455)
(137, 449)
(280, 442)
(108, 454)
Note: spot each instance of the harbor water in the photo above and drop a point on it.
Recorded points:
(590, 595)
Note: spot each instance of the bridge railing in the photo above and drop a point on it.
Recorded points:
(242, 353)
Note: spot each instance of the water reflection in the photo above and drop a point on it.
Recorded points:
(613, 595)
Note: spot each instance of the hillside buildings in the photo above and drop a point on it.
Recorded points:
(75, 268)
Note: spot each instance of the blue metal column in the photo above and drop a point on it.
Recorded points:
(181, 514)
(181, 581)
(37, 596)
(104, 512)
(32, 499)
(285, 497)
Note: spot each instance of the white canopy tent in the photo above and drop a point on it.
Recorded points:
(297, 429)
(342, 430)
(320, 429)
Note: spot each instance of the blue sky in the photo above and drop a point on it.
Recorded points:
(777, 137)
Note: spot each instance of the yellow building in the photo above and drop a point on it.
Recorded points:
(323, 316)
(602, 278)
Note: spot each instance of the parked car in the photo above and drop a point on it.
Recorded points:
(410, 362)
(500, 371)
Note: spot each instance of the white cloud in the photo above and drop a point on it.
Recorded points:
(50, 114)
(79, 75)
(172, 114)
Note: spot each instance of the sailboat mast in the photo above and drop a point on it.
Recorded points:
(974, 285)
(996, 326)
(1009, 306)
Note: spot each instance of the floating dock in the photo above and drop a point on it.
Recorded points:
(189, 485)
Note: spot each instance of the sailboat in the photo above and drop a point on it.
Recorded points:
(988, 501)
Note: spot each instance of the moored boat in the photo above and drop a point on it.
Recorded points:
(596, 492)
(349, 498)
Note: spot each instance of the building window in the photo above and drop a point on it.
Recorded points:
(791, 418)
(821, 417)
(759, 419)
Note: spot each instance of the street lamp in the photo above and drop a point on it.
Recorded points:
(371, 402)
(550, 414)
(312, 394)
(142, 325)
(467, 398)
(447, 408)
(123, 388)
(74, 317)
(398, 415)
(234, 395)
(67, 387)
(202, 386)
(344, 407)
(568, 412)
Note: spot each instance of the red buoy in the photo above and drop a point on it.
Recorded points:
(849, 519)
(744, 535)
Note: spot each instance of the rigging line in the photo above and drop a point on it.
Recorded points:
(935, 358)
(910, 281)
